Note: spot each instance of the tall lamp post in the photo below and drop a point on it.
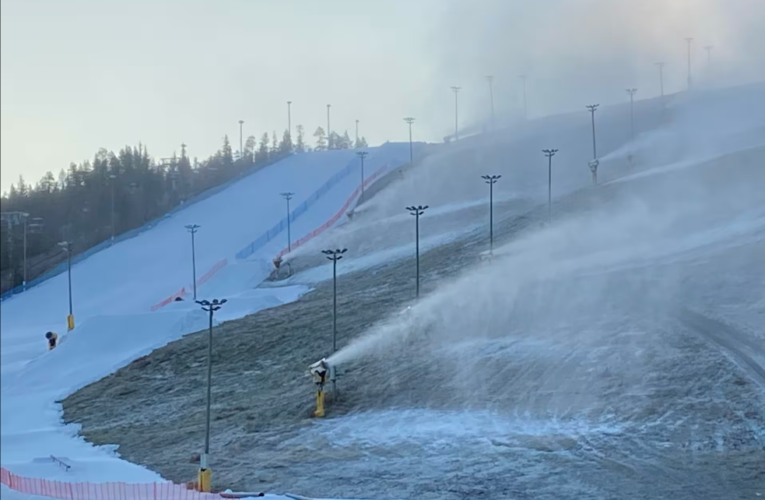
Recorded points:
(594, 163)
(632, 93)
(329, 132)
(410, 121)
(241, 143)
(549, 153)
(288, 196)
(690, 80)
(113, 179)
(334, 256)
(193, 228)
(67, 247)
(205, 474)
(490, 80)
(456, 91)
(362, 155)
(289, 119)
(417, 211)
(491, 180)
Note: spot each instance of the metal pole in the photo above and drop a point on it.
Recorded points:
(456, 91)
(334, 305)
(549, 188)
(491, 218)
(194, 263)
(289, 119)
(209, 383)
(329, 133)
(410, 120)
(289, 227)
(417, 244)
(241, 144)
(69, 265)
(24, 281)
(113, 177)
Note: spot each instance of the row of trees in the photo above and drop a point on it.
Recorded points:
(77, 204)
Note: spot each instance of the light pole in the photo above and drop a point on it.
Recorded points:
(491, 180)
(632, 93)
(113, 182)
(417, 211)
(241, 144)
(288, 196)
(690, 80)
(490, 79)
(525, 101)
(456, 91)
(34, 227)
(410, 120)
(67, 246)
(329, 133)
(193, 228)
(334, 256)
(205, 474)
(289, 119)
(549, 153)
(594, 162)
(362, 155)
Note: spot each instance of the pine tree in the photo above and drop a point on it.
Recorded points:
(226, 153)
(262, 155)
(285, 147)
(249, 148)
(363, 142)
(321, 139)
(274, 143)
(300, 144)
(345, 141)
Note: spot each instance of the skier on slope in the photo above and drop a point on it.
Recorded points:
(52, 340)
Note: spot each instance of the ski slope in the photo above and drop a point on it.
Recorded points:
(114, 291)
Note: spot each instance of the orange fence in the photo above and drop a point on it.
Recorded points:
(101, 491)
(180, 293)
(316, 232)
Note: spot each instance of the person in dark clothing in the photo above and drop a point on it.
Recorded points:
(52, 340)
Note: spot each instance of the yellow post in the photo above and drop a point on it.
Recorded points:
(70, 322)
(204, 480)
(319, 403)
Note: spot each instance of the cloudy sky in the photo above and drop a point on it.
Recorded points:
(78, 75)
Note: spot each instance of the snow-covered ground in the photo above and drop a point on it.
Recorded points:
(114, 290)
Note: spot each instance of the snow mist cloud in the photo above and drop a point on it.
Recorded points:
(575, 52)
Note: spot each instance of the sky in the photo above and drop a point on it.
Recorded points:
(80, 75)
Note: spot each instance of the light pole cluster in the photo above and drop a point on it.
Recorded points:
(193, 228)
(594, 163)
(67, 247)
(549, 153)
(409, 120)
(362, 155)
(334, 256)
(205, 474)
(491, 180)
(417, 211)
(287, 197)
